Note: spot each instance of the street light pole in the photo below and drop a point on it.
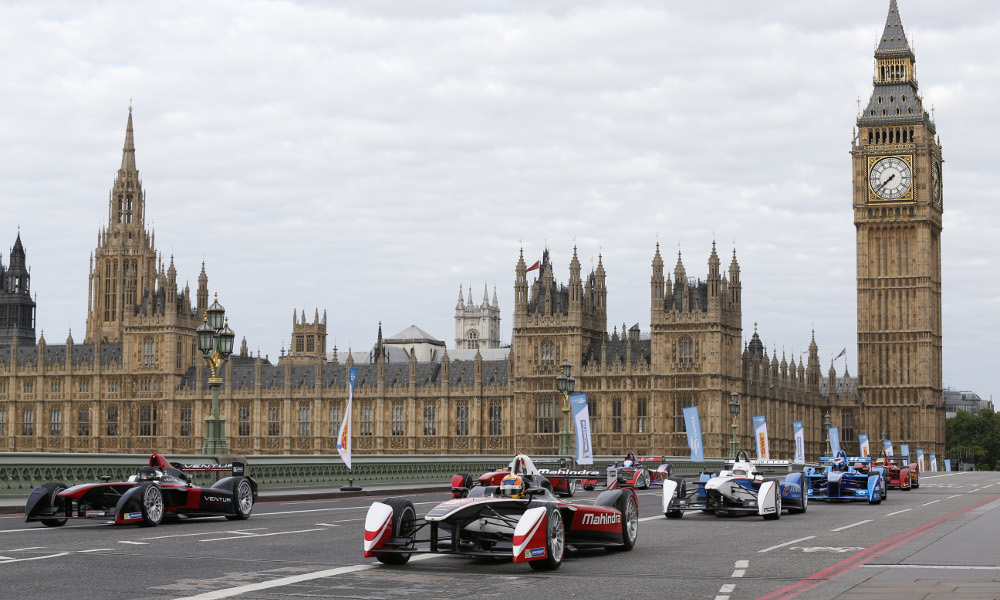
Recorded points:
(215, 340)
(566, 384)
(734, 409)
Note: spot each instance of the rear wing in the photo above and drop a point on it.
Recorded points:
(850, 459)
(570, 473)
(236, 468)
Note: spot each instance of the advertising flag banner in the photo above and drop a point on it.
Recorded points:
(933, 462)
(947, 464)
(887, 446)
(920, 458)
(760, 435)
(344, 436)
(865, 449)
(835, 440)
(581, 419)
(904, 449)
(693, 424)
(800, 443)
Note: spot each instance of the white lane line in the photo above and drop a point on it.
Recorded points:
(265, 585)
(742, 564)
(739, 573)
(722, 598)
(650, 518)
(94, 550)
(328, 524)
(786, 544)
(899, 512)
(134, 543)
(852, 525)
(949, 567)
(955, 496)
(14, 560)
(28, 548)
(254, 535)
(177, 535)
(931, 502)
(727, 589)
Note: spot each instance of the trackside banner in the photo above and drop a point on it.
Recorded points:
(800, 443)
(760, 435)
(581, 419)
(834, 434)
(344, 437)
(933, 462)
(865, 449)
(920, 458)
(947, 464)
(904, 449)
(692, 422)
(887, 446)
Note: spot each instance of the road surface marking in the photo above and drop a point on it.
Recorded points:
(254, 535)
(742, 564)
(827, 549)
(28, 548)
(899, 511)
(649, 518)
(852, 525)
(14, 560)
(739, 573)
(728, 588)
(788, 543)
(955, 496)
(177, 535)
(135, 543)
(931, 502)
(94, 550)
(952, 567)
(328, 524)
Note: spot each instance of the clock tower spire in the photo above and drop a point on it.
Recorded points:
(898, 208)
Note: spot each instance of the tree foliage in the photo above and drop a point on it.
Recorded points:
(974, 437)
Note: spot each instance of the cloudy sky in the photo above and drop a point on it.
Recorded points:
(368, 158)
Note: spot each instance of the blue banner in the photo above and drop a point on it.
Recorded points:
(933, 462)
(834, 440)
(800, 443)
(581, 420)
(947, 464)
(904, 449)
(863, 441)
(887, 446)
(693, 424)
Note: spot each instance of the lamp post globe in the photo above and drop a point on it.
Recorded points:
(566, 384)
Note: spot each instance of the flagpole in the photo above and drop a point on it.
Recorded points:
(344, 436)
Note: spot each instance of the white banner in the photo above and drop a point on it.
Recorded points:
(581, 421)
(800, 443)
(344, 436)
(760, 435)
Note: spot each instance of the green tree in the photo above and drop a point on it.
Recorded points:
(975, 438)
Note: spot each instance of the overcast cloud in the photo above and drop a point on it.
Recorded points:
(369, 158)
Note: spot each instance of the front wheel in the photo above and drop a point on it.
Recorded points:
(555, 540)
(54, 488)
(244, 501)
(403, 518)
(152, 506)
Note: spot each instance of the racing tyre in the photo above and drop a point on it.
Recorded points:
(243, 497)
(555, 542)
(152, 506)
(588, 488)
(645, 481)
(53, 488)
(681, 491)
(570, 488)
(467, 481)
(403, 518)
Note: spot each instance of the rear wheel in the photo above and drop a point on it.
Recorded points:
(244, 501)
(403, 518)
(152, 506)
(555, 540)
(53, 488)
(570, 488)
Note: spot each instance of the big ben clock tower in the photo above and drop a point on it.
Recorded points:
(898, 203)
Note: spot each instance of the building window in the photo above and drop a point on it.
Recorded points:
(365, 418)
(685, 351)
(273, 419)
(3, 387)
(398, 419)
(112, 422)
(83, 422)
(180, 354)
(299, 344)
(462, 418)
(430, 418)
(496, 418)
(548, 352)
(28, 422)
(473, 340)
(84, 387)
(616, 415)
(187, 421)
(55, 422)
(310, 344)
(680, 426)
(113, 387)
(642, 406)
(56, 387)
(29, 387)
(304, 425)
(3, 421)
(243, 420)
(847, 429)
(147, 420)
(335, 419)
(544, 416)
(147, 351)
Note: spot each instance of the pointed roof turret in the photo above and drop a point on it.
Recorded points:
(893, 37)
(128, 152)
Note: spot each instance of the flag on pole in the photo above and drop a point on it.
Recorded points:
(887, 446)
(800, 443)
(760, 435)
(865, 449)
(842, 352)
(693, 425)
(344, 437)
(537, 264)
(581, 416)
(834, 434)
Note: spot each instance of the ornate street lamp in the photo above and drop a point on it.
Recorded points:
(215, 341)
(734, 409)
(566, 384)
(826, 429)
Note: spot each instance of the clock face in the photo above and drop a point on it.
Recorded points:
(936, 182)
(890, 178)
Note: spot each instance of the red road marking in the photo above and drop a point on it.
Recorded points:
(862, 557)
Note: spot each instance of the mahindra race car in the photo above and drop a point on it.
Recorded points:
(901, 477)
(740, 488)
(846, 478)
(636, 472)
(520, 519)
(558, 484)
(160, 490)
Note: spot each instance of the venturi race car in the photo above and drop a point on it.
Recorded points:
(518, 519)
(740, 488)
(635, 472)
(561, 482)
(158, 491)
(904, 476)
(846, 478)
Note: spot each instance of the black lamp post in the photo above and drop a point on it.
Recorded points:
(826, 428)
(734, 409)
(566, 384)
(215, 341)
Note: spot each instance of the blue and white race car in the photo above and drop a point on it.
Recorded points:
(846, 478)
(740, 488)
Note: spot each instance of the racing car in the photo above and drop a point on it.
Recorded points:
(636, 472)
(846, 478)
(560, 485)
(159, 491)
(519, 519)
(740, 488)
(900, 477)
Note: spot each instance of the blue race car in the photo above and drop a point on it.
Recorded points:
(846, 478)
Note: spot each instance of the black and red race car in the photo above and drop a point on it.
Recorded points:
(635, 472)
(530, 526)
(904, 476)
(555, 480)
(161, 490)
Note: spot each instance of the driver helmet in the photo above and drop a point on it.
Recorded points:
(146, 473)
(839, 464)
(627, 463)
(512, 486)
(880, 462)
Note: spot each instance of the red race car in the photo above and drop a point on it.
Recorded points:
(560, 482)
(899, 476)
(635, 472)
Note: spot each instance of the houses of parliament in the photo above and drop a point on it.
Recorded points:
(136, 382)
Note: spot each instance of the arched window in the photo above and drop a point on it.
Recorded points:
(472, 340)
(548, 352)
(148, 348)
(685, 351)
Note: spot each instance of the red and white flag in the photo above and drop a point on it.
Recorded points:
(537, 264)
(842, 352)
